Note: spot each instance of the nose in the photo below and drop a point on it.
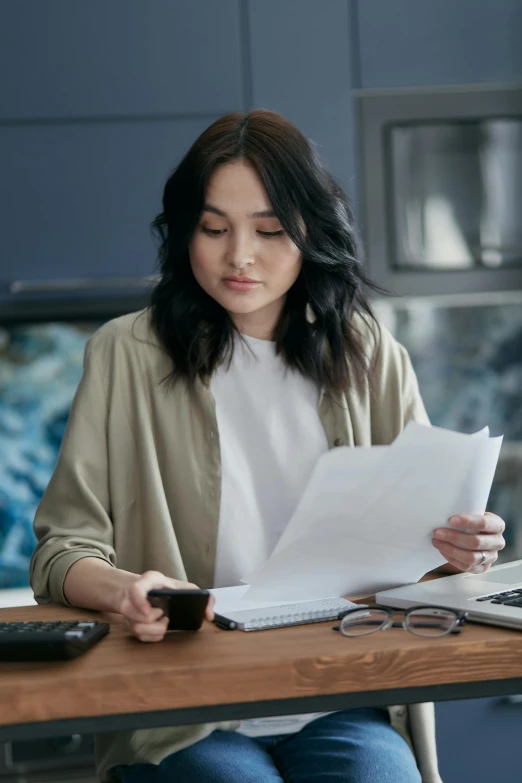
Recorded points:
(240, 252)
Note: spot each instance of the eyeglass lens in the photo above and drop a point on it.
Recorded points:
(431, 621)
(364, 622)
(427, 621)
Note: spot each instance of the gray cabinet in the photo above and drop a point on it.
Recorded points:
(478, 740)
(81, 196)
(72, 59)
(99, 102)
(301, 59)
(407, 42)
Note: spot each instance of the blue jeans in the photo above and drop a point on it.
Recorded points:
(354, 746)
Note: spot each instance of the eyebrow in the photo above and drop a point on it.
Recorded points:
(267, 213)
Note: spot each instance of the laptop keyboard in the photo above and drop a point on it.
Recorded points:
(507, 598)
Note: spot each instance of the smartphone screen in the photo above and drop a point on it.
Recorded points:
(184, 608)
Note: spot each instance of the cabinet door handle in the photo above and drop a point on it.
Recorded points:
(6, 757)
(79, 284)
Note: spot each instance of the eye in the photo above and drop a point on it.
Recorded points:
(213, 232)
(269, 234)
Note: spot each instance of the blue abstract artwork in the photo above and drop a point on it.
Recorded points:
(40, 368)
(468, 361)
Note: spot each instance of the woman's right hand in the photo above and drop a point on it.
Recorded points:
(147, 622)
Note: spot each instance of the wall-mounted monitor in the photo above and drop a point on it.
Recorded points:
(441, 179)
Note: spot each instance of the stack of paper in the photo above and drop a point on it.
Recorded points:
(366, 519)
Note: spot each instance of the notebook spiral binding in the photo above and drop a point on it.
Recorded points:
(301, 618)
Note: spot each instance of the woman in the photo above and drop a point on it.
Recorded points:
(196, 426)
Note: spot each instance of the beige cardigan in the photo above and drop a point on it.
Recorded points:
(138, 484)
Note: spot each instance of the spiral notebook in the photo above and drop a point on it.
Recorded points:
(232, 611)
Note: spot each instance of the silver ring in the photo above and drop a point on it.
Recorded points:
(483, 558)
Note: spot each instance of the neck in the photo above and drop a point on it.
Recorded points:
(260, 324)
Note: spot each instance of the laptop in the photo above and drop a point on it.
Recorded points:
(494, 597)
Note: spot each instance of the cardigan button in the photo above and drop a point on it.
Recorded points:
(338, 442)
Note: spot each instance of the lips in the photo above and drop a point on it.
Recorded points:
(241, 283)
(241, 279)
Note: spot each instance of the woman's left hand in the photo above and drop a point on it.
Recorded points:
(476, 549)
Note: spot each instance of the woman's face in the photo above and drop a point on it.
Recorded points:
(240, 254)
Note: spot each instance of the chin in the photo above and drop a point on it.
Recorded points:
(235, 306)
(233, 310)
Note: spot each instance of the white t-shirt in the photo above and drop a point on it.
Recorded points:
(270, 438)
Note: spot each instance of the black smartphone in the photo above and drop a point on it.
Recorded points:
(184, 608)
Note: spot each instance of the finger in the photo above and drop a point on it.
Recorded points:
(176, 584)
(466, 556)
(480, 567)
(496, 521)
(155, 615)
(148, 638)
(472, 569)
(481, 523)
(490, 560)
(135, 609)
(476, 541)
(461, 566)
(152, 630)
(209, 611)
(151, 580)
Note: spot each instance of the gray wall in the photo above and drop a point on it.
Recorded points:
(99, 100)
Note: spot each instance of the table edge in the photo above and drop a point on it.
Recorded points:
(99, 724)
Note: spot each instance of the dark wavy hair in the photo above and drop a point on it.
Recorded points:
(196, 331)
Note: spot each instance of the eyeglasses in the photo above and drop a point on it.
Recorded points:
(419, 620)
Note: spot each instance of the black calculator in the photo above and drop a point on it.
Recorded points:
(49, 641)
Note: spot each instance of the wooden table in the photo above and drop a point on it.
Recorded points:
(213, 675)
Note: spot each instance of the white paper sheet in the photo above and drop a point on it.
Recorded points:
(366, 518)
(231, 599)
